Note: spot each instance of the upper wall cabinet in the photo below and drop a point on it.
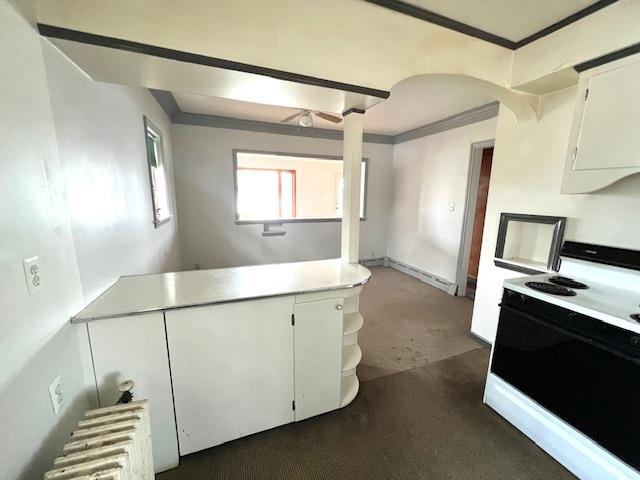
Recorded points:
(604, 144)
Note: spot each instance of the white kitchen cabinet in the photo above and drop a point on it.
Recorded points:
(135, 347)
(318, 356)
(232, 369)
(604, 144)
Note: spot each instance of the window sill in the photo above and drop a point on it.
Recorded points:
(528, 267)
(162, 221)
(292, 220)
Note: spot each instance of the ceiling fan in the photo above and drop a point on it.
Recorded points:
(305, 118)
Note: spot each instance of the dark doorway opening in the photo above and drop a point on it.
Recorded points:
(478, 222)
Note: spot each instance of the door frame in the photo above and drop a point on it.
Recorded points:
(466, 236)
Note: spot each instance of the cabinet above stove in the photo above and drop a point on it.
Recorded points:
(604, 145)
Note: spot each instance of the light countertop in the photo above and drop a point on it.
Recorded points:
(606, 303)
(165, 291)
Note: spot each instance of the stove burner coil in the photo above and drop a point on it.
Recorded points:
(568, 282)
(551, 288)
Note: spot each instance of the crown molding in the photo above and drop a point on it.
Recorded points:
(446, 22)
(478, 114)
(170, 106)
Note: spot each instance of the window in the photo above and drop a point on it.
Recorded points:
(157, 177)
(265, 193)
(290, 188)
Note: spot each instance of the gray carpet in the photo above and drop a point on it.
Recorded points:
(425, 421)
(409, 324)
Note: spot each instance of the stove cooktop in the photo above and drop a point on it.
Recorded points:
(568, 282)
(551, 288)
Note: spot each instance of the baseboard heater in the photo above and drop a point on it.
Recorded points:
(426, 277)
(112, 443)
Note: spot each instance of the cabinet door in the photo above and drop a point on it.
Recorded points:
(318, 353)
(135, 348)
(611, 121)
(232, 370)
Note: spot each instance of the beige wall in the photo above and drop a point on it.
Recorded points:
(527, 171)
(546, 65)
(429, 174)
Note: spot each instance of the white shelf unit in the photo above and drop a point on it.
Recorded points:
(351, 352)
(353, 323)
(351, 356)
(349, 387)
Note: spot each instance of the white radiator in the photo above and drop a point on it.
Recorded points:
(112, 443)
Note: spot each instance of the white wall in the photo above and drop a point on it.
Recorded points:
(82, 208)
(204, 188)
(36, 340)
(528, 162)
(430, 173)
(101, 140)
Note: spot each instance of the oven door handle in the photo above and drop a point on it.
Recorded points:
(596, 342)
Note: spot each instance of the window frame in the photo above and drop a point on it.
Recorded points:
(235, 153)
(155, 131)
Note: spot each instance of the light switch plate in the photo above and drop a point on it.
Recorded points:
(57, 394)
(452, 206)
(32, 274)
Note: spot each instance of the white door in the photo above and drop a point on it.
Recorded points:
(232, 370)
(318, 353)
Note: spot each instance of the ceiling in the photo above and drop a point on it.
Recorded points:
(413, 103)
(511, 19)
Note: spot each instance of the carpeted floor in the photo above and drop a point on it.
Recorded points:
(418, 416)
(409, 324)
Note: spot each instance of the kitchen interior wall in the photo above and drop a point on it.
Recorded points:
(209, 236)
(71, 166)
(101, 140)
(430, 173)
(528, 164)
(37, 342)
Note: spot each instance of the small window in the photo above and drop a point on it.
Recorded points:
(157, 175)
(289, 188)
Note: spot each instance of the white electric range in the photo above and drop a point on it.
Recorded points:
(565, 365)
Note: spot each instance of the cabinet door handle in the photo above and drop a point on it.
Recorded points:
(338, 307)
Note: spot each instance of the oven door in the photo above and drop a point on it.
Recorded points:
(581, 379)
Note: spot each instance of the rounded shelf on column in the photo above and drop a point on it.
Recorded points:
(351, 356)
(352, 323)
(349, 389)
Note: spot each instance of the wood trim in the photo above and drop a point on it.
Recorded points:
(437, 19)
(599, 5)
(478, 114)
(609, 57)
(516, 268)
(188, 57)
(361, 111)
(451, 24)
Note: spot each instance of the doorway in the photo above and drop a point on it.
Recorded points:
(481, 161)
(478, 222)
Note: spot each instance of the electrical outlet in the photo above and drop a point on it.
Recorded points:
(32, 274)
(57, 394)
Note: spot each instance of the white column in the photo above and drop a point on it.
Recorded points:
(352, 157)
